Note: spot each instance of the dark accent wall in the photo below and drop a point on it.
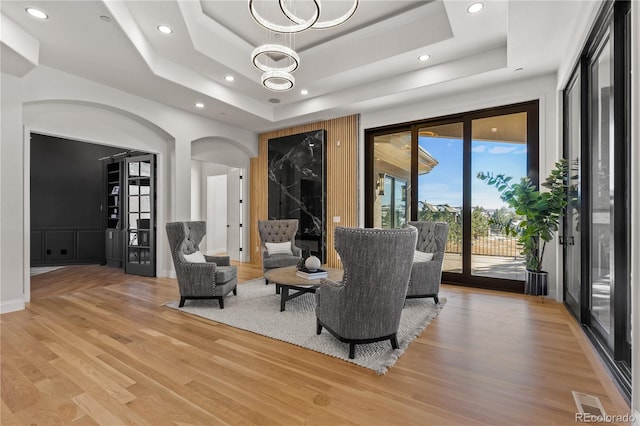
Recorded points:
(297, 186)
(66, 196)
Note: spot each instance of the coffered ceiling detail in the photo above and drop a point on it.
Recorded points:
(367, 63)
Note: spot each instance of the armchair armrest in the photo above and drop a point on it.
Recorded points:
(328, 294)
(219, 260)
(329, 283)
(196, 278)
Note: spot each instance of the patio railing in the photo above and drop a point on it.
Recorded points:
(492, 245)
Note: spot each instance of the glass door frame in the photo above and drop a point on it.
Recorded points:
(612, 22)
(465, 278)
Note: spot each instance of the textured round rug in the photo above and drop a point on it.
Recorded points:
(256, 308)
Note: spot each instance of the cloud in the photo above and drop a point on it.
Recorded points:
(479, 148)
(502, 150)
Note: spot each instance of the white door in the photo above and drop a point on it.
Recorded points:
(234, 214)
(216, 214)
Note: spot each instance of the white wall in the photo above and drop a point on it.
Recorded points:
(541, 88)
(63, 105)
(197, 196)
(12, 182)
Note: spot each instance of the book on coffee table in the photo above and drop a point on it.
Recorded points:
(312, 275)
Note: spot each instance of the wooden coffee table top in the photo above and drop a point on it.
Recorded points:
(287, 276)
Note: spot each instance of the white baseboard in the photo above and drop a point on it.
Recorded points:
(636, 418)
(11, 306)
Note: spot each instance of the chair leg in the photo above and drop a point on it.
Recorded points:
(352, 350)
(182, 299)
(394, 341)
(318, 326)
(235, 291)
(435, 299)
(221, 302)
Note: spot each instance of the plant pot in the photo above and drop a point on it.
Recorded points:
(536, 283)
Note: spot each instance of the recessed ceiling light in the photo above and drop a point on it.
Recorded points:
(165, 29)
(105, 18)
(304, 92)
(274, 100)
(229, 78)
(36, 13)
(475, 7)
(494, 129)
(424, 57)
(199, 105)
(520, 69)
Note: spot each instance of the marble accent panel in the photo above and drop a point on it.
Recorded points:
(297, 186)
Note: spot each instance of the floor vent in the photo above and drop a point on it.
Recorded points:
(588, 404)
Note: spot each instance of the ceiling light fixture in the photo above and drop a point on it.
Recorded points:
(301, 25)
(423, 58)
(475, 7)
(304, 92)
(165, 29)
(278, 81)
(321, 24)
(229, 78)
(36, 13)
(267, 50)
(199, 105)
(278, 77)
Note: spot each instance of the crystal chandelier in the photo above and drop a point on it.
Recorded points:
(279, 78)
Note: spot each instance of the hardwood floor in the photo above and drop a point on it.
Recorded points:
(96, 346)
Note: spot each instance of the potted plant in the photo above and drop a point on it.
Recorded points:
(540, 212)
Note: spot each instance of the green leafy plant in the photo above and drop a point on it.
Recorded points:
(540, 211)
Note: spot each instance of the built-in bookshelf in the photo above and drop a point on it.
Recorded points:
(113, 212)
(114, 197)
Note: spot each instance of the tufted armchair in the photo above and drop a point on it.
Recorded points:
(199, 276)
(367, 305)
(278, 231)
(427, 275)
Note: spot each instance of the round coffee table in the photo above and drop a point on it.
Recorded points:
(286, 279)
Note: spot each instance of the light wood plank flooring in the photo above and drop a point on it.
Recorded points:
(96, 346)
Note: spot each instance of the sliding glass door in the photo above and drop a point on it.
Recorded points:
(427, 171)
(498, 145)
(440, 184)
(572, 238)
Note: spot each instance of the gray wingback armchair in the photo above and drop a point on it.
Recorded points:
(427, 275)
(278, 231)
(213, 277)
(367, 305)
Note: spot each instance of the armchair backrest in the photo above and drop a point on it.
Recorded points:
(432, 237)
(377, 266)
(184, 238)
(278, 231)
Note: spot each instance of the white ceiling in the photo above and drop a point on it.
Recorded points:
(347, 69)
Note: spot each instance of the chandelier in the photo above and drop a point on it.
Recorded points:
(279, 78)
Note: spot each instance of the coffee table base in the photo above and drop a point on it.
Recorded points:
(285, 296)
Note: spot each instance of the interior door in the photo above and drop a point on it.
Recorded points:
(140, 215)
(234, 213)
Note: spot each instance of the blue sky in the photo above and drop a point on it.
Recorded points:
(443, 185)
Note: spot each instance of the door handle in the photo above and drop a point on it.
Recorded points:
(571, 241)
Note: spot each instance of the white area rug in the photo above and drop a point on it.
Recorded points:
(44, 269)
(256, 308)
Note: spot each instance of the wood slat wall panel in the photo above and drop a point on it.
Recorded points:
(342, 175)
